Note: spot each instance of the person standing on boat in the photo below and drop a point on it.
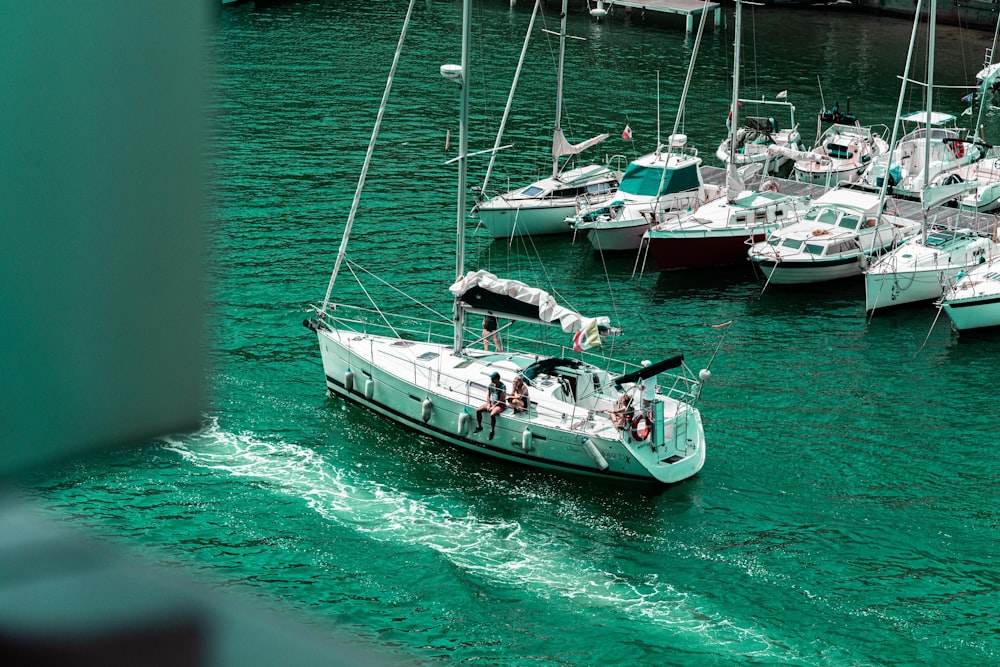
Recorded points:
(490, 326)
(496, 402)
(648, 388)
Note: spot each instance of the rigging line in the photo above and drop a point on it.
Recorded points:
(368, 158)
(374, 305)
(354, 265)
(940, 308)
(510, 97)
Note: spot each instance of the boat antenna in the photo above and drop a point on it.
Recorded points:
(657, 111)
(463, 146)
(368, 158)
(510, 99)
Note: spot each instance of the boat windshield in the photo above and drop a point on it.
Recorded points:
(826, 216)
(644, 181)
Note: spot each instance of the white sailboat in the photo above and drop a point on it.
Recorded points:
(542, 207)
(974, 301)
(924, 266)
(432, 382)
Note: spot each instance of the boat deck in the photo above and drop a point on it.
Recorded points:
(940, 216)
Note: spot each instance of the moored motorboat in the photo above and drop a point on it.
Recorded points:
(845, 149)
(655, 187)
(834, 239)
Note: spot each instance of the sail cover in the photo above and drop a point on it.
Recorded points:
(774, 150)
(482, 292)
(560, 146)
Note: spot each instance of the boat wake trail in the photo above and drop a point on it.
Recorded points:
(498, 550)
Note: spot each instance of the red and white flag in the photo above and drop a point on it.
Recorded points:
(782, 95)
(627, 133)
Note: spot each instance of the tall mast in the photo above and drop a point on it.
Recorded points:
(559, 85)
(463, 146)
(733, 181)
(931, 22)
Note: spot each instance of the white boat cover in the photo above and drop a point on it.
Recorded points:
(775, 150)
(560, 146)
(936, 118)
(483, 292)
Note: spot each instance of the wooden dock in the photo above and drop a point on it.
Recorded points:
(686, 8)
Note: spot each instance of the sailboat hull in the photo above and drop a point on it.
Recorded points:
(695, 252)
(527, 218)
(429, 389)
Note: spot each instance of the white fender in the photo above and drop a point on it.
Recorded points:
(349, 380)
(464, 421)
(369, 388)
(526, 439)
(595, 453)
(425, 409)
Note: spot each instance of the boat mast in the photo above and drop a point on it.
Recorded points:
(883, 191)
(559, 87)
(463, 145)
(733, 181)
(931, 22)
(342, 252)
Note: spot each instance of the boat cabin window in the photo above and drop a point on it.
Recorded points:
(839, 151)
(814, 248)
(600, 188)
(533, 191)
(794, 244)
(827, 216)
(849, 222)
(645, 181)
(842, 247)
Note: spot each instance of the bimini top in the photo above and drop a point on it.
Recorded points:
(483, 292)
(937, 118)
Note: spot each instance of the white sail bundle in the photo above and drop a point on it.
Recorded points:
(482, 291)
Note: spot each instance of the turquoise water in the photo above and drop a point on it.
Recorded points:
(848, 512)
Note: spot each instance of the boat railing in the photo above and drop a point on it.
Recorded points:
(683, 383)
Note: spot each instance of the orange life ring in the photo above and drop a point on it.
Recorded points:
(959, 147)
(771, 185)
(640, 428)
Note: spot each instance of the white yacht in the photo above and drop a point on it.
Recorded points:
(834, 239)
(655, 187)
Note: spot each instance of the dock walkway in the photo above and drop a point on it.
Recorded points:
(687, 8)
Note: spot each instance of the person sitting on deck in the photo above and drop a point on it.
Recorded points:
(519, 395)
(622, 415)
(496, 402)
